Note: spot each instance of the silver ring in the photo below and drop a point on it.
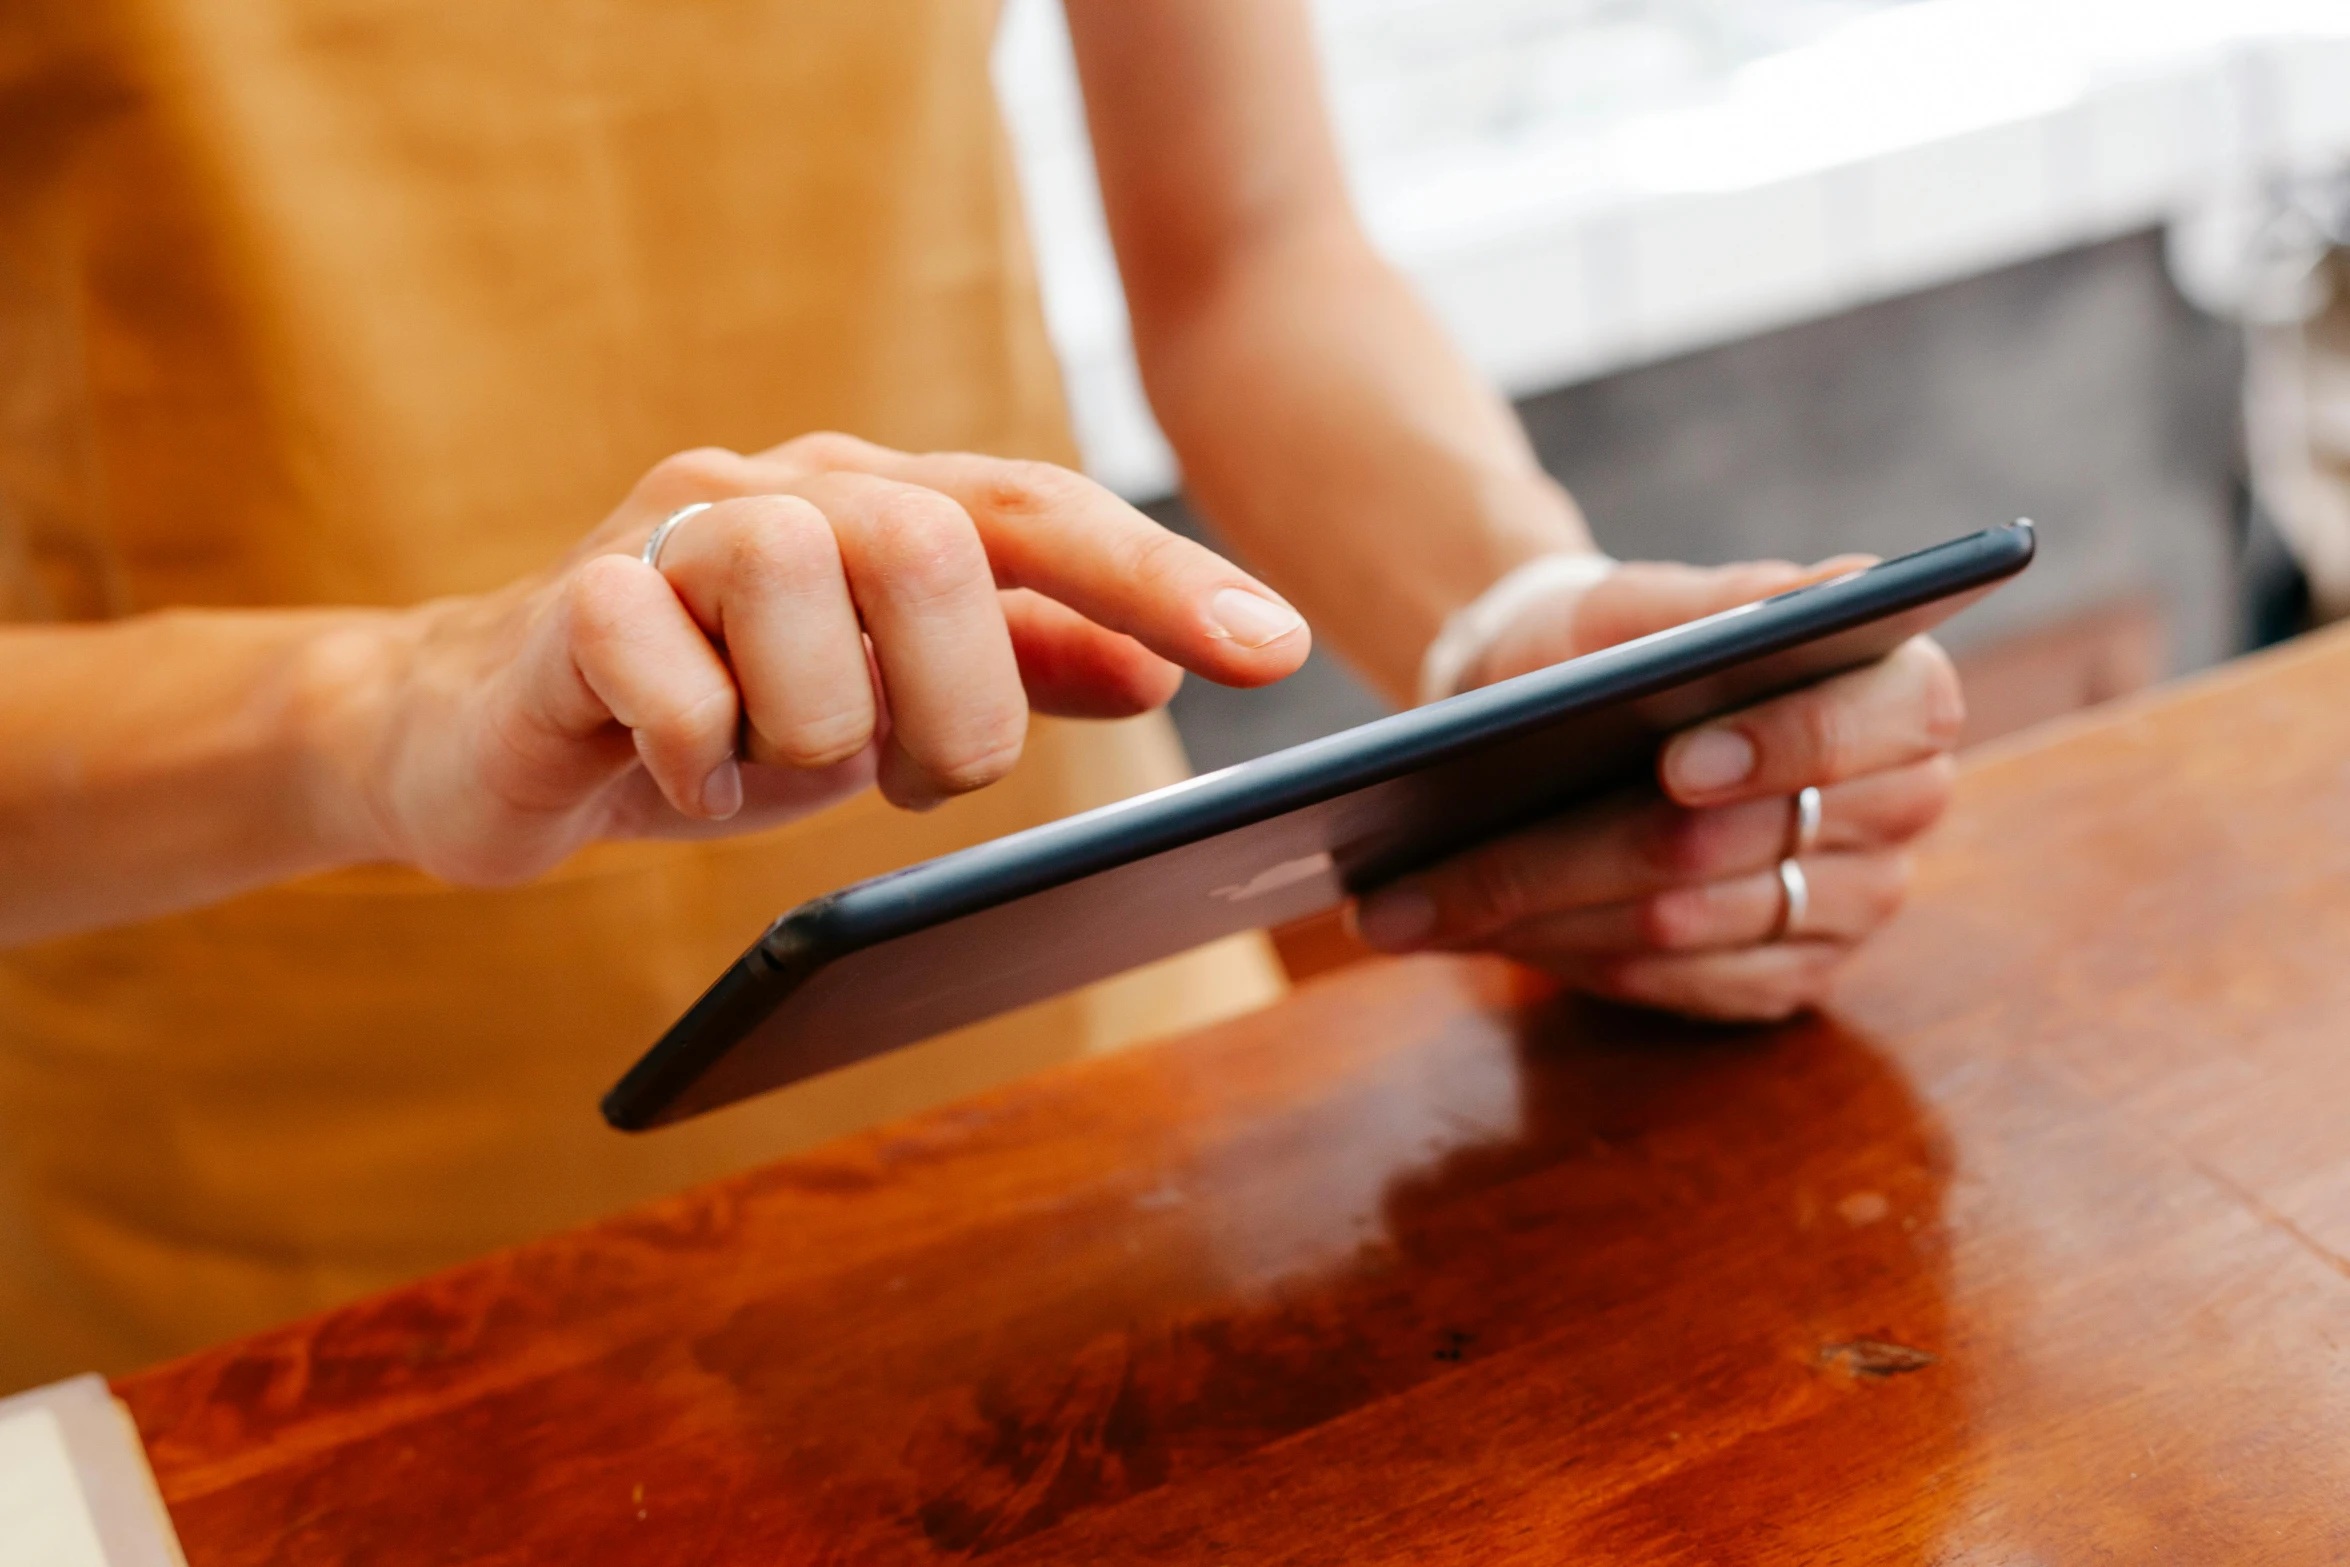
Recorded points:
(1804, 832)
(1794, 899)
(652, 552)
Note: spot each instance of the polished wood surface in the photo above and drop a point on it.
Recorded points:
(2030, 1250)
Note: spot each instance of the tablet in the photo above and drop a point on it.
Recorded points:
(903, 957)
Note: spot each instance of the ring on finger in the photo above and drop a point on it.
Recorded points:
(1803, 831)
(1794, 899)
(668, 525)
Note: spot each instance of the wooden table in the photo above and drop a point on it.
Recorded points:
(2032, 1250)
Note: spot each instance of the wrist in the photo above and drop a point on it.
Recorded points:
(1453, 659)
(346, 676)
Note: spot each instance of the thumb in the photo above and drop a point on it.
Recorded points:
(1640, 598)
(1646, 597)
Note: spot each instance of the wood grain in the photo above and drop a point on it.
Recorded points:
(2031, 1249)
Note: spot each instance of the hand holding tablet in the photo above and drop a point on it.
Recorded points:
(1673, 897)
(900, 958)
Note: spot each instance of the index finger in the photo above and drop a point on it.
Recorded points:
(1060, 534)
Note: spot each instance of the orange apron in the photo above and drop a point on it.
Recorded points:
(365, 301)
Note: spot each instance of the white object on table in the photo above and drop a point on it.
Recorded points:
(75, 1490)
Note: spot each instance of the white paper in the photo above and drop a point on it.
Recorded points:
(44, 1518)
(75, 1489)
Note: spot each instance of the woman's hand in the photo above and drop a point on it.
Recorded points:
(843, 614)
(1675, 902)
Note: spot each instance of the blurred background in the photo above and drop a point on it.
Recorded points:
(1794, 277)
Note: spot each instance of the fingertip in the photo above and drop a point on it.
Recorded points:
(912, 784)
(1253, 620)
(1702, 765)
(722, 791)
(903, 784)
(1254, 638)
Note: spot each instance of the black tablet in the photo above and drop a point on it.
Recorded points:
(902, 957)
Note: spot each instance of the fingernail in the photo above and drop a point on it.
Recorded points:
(1250, 619)
(722, 791)
(1395, 920)
(1709, 759)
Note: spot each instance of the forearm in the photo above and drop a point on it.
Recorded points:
(1325, 424)
(1321, 417)
(168, 761)
(729, 684)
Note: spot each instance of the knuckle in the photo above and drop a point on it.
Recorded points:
(685, 477)
(671, 729)
(824, 739)
(1152, 554)
(824, 450)
(929, 545)
(598, 597)
(703, 717)
(776, 543)
(1022, 488)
